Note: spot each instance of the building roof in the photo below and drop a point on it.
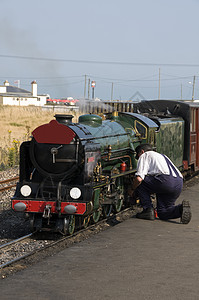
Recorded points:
(15, 91)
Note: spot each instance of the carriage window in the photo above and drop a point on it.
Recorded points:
(141, 129)
(193, 120)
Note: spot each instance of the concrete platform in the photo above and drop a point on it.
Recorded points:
(136, 259)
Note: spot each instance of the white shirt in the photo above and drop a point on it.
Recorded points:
(154, 163)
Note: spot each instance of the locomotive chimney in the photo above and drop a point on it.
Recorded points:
(64, 119)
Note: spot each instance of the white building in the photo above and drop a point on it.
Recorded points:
(12, 95)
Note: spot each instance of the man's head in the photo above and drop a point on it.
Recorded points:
(142, 148)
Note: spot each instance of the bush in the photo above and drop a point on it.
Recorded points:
(10, 157)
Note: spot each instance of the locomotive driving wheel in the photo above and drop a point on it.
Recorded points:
(69, 225)
(107, 208)
(117, 206)
(119, 189)
(96, 215)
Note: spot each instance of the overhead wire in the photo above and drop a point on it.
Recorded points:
(121, 82)
(99, 62)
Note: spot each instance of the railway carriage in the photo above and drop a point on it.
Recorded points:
(188, 111)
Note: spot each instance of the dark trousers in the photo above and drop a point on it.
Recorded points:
(167, 189)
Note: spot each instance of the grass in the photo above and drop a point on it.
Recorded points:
(16, 126)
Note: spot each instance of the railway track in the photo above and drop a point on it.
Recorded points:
(20, 249)
(6, 184)
(15, 241)
(5, 248)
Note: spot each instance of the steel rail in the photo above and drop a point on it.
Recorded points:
(5, 188)
(15, 241)
(9, 180)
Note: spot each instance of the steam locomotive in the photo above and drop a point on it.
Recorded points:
(75, 173)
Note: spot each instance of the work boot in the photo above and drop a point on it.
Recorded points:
(186, 212)
(147, 214)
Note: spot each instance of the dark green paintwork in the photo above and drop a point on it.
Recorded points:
(96, 199)
(109, 133)
(170, 139)
(91, 120)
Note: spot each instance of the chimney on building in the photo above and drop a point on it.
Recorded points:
(6, 83)
(34, 88)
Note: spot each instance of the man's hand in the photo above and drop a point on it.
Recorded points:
(137, 181)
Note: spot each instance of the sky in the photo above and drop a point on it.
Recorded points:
(131, 49)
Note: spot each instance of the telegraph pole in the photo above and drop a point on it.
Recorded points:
(181, 91)
(159, 86)
(112, 92)
(194, 79)
(93, 84)
(85, 88)
(89, 88)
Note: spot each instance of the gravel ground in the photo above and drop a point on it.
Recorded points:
(12, 224)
